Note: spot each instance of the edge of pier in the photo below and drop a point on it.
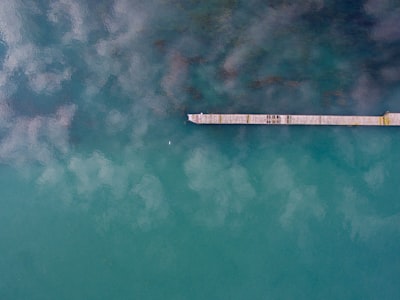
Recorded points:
(387, 119)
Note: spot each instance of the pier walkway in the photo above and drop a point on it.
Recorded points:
(388, 119)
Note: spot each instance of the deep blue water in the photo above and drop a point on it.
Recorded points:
(106, 192)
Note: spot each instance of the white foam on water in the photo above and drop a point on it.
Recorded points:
(23, 55)
(10, 22)
(36, 139)
(222, 187)
(387, 29)
(109, 56)
(33, 61)
(49, 81)
(116, 121)
(363, 222)
(280, 175)
(76, 14)
(300, 200)
(125, 22)
(375, 176)
(149, 202)
(140, 125)
(6, 115)
(138, 76)
(52, 174)
(92, 172)
(387, 18)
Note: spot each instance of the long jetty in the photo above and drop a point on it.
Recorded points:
(388, 119)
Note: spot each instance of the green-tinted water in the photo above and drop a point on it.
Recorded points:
(108, 193)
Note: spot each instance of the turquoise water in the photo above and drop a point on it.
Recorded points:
(108, 193)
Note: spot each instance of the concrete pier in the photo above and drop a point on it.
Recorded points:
(388, 119)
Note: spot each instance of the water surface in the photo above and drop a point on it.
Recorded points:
(108, 193)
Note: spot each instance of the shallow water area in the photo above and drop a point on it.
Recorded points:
(108, 192)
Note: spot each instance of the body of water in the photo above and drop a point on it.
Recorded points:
(106, 192)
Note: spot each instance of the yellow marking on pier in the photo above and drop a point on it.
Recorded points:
(386, 120)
